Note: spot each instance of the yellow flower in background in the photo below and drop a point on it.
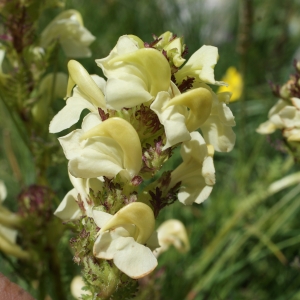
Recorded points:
(235, 84)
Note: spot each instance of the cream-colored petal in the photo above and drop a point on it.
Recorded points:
(277, 107)
(70, 114)
(200, 65)
(71, 144)
(76, 288)
(126, 93)
(294, 137)
(3, 191)
(225, 115)
(130, 67)
(188, 194)
(277, 121)
(90, 120)
(173, 232)
(67, 28)
(134, 259)
(217, 134)
(179, 135)
(106, 245)
(126, 136)
(208, 171)
(68, 209)
(296, 102)
(152, 63)
(266, 128)
(101, 217)
(288, 115)
(101, 156)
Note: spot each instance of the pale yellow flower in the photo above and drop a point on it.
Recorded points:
(172, 232)
(76, 287)
(67, 28)
(128, 238)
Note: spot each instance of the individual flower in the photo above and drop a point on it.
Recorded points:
(87, 94)
(235, 84)
(196, 173)
(186, 112)
(200, 66)
(76, 287)
(172, 233)
(69, 208)
(103, 149)
(68, 29)
(285, 116)
(128, 239)
(197, 108)
(173, 48)
(135, 73)
(217, 129)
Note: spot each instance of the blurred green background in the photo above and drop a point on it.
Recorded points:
(243, 245)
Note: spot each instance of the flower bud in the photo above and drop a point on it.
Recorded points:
(36, 202)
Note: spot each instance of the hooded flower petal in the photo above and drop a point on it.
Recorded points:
(103, 151)
(185, 112)
(123, 133)
(138, 73)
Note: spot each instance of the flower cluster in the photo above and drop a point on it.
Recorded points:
(151, 102)
(285, 114)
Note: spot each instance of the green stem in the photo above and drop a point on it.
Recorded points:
(54, 268)
(10, 113)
